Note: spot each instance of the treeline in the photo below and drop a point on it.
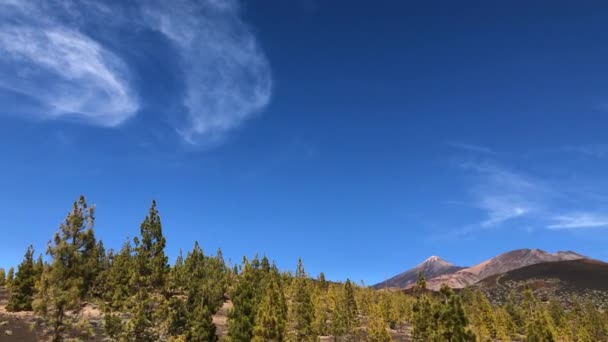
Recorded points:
(143, 298)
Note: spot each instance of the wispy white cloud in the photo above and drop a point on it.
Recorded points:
(47, 54)
(471, 147)
(502, 194)
(579, 220)
(66, 72)
(505, 195)
(228, 77)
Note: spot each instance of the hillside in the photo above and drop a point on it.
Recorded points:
(502, 263)
(430, 268)
(559, 280)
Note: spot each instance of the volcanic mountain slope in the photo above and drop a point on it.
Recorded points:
(574, 274)
(430, 268)
(500, 264)
(557, 280)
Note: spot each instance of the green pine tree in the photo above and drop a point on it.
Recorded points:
(2, 277)
(151, 261)
(322, 309)
(425, 324)
(453, 320)
(271, 317)
(301, 308)
(246, 297)
(206, 282)
(22, 290)
(350, 308)
(10, 276)
(61, 286)
(321, 282)
(113, 284)
(377, 331)
(177, 276)
(199, 325)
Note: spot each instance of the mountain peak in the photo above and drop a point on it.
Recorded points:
(431, 267)
(433, 258)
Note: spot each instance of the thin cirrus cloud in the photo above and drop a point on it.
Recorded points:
(227, 76)
(579, 221)
(502, 194)
(47, 55)
(63, 71)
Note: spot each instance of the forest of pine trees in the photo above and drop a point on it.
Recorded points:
(144, 298)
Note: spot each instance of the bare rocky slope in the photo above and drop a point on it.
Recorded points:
(430, 268)
(560, 280)
(500, 264)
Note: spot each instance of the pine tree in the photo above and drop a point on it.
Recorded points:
(147, 282)
(245, 298)
(453, 320)
(350, 308)
(112, 326)
(425, 325)
(206, 283)
(2, 277)
(481, 314)
(388, 309)
(338, 314)
(539, 327)
(321, 302)
(141, 325)
(420, 287)
(271, 317)
(377, 326)
(152, 263)
(114, 283)
(199, 325)
(177, 276)
(301, 309)
(321, 282)
(538, 330)
(10, 276)
(38, 267)
(63, 282)
(23, 285)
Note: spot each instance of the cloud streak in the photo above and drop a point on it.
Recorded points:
(228, 77)
(47, 53)
(65, 72)
(503, 194)
(579, 220)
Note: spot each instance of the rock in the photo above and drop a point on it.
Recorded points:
(8, 333)
(3, 324)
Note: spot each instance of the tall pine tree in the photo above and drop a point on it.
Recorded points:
(271, 317)
(22, 291)
(246, 297)
(152, 263)
(63, 282)
(301, 308)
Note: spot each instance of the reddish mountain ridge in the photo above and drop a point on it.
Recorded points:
(430, 268)
(500, 264)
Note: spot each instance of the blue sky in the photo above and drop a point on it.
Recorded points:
(362, 138)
